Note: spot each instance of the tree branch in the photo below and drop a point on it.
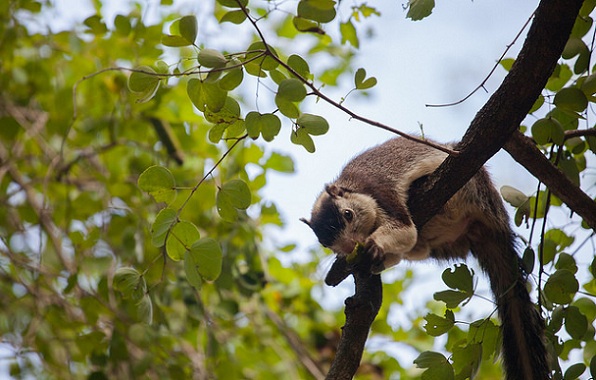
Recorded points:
(524, 151)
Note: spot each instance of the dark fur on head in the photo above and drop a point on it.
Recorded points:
(327, 222)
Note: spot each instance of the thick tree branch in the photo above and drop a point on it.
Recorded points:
(489, 131)
(524, 151)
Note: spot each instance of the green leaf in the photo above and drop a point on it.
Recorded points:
(547, 130)
(280, 163)
(299, 65)
(130, 283)
(287, 107)
(233, 3)
(466, 359)
(322, 11)
(313, 124)
(291, 89)
(188, 28)
(436, 325)
(301, 137)
(349, 34)
(144, 82)
(194, 89)
(173, 40)
(303, 25)
(232, 79)
(215, 97)
(576, 323)
(159, 182)
(180, 239)
(461, 278)
(485, 332)
(192, 272)
(211, 58)
(205, 258)
(233, 195)
(270, 126)
(429, 359)
(164, 220)
(253, 127)
(419, 9)
(238, 193)
(452, 298)
(96, 25)
(561, 286)
(145, 309)
(513, 196)
(574, 371)
(235, 17)
(363, 83)
(572, 99)
(528, 259)
(588, 86)
(261, 55)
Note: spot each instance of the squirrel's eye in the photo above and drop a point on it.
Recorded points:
(348, 215)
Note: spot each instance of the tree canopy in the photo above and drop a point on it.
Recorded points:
(134, 155)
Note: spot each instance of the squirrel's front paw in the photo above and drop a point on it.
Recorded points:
(377, 255)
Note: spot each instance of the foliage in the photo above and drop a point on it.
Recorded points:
(132, 161)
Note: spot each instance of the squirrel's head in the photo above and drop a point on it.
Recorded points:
(341, 218)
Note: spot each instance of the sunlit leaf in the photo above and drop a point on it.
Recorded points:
(349, 34)
(313, 124)
(159, 182)
(291, 89)
(205, 257)
(164, 221)
(235, 17)
(513, 196)
(301, 137)
(188, 28)
(181, 237)
(317, 10)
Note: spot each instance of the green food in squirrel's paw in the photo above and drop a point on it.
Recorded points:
(352, 256)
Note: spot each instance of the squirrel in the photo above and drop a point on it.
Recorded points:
(366, 206)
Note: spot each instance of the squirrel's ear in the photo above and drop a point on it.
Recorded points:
(334, 191)
(306, 221)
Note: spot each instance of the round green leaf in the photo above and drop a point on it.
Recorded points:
(291, 89)
(513, 196)
(130, 283)
(235, 17)
(194, 90)
(436, 325)
(188, 28)
(180, 239)
(461, 278)
(589, 85)
(233, 3)
(317, 10)
(301, 137)
(574, 371)
(232, 79)
(576, 323)
(192, 272)
(548, 130)
(561, 286)
(429, 359)
(572, 99)
(299, 65)
(215, 98)
(173, 40)
(159, 182)
(164, 220)
(313, 124)
(238, 193)
(144, 82)
(286, 107)
(260, 54)
(270, 126)
(211, 58)
(206, 258)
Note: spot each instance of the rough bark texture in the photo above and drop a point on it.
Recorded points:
(492, 127)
